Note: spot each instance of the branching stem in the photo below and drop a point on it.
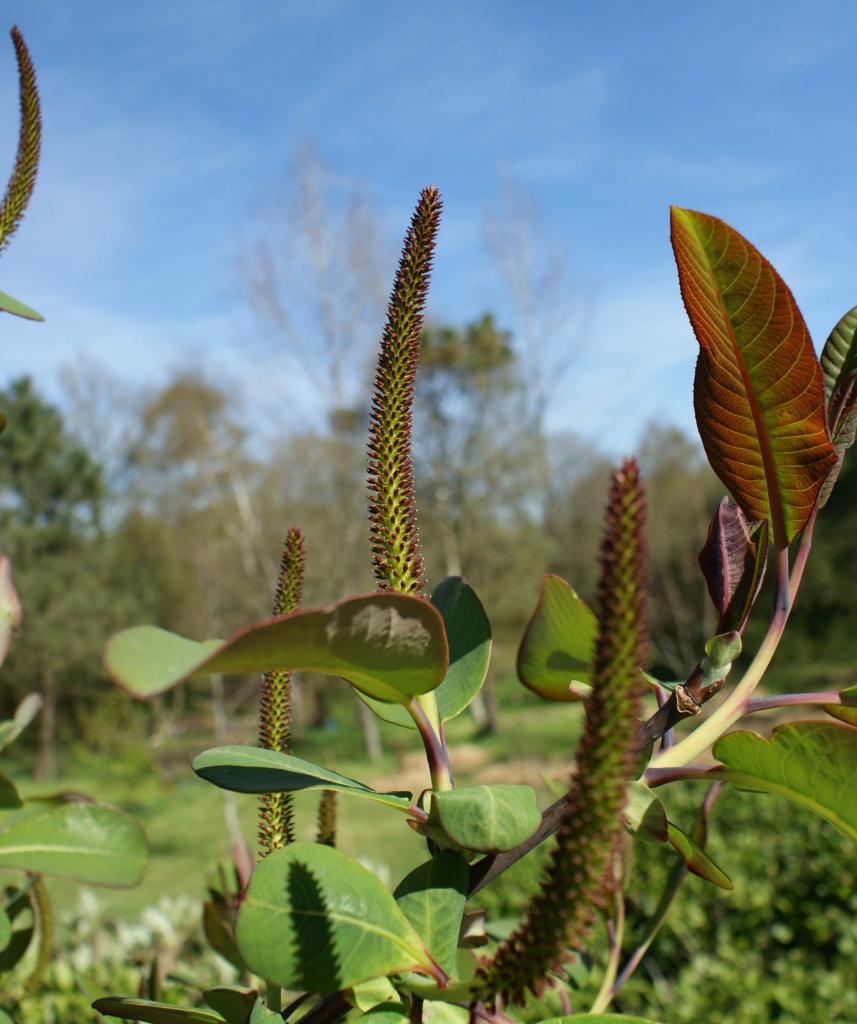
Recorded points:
(735, 705)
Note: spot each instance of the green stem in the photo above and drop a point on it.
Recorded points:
(43, 914)
(735, 705)
(617, 931)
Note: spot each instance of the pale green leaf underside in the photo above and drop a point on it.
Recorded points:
(813, 764)
(390, 646)
(96, 845)
(468, 633)
(559, 643)
(255, 770)
(487, 819)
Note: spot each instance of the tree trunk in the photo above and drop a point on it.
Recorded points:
(237, 842)
(371, 732)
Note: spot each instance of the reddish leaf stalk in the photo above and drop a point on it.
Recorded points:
(23, 177)
(560, 915)
(392, 507)
(276, 813)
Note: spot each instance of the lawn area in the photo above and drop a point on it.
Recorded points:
(184, 817)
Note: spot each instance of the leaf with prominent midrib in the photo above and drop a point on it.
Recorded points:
(811, 763)
(759, 394)
(733, 562)
(487, 819)
(468, 633)
(839, 355)
(390, 646)
(559, 644)
(432, 898)
(91, 844)
(839, 363)
(147, 1012)
(256, 770)
(315, 920)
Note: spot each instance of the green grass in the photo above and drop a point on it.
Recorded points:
(184, 817)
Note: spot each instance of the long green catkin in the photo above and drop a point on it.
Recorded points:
(560, 914)
(397, 560)
(276, 811)
(23, 178)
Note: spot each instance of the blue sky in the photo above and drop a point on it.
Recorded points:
(167, 122)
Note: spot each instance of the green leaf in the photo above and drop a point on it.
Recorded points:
(234, 1003)
(5, 1018)
(255, 770)
(644, 813)
(556, 652)
(391, 1013)
(591, 1018)
(646, 818)
(468, 633)
(759, 392)
(16, 308)
(696, 859)
(811, 763)
(24, 714)
(390, 646)
(444, 1013)
(218, 925)
(5, 930)
(315, 920)
(733, 561)
(10, 606)
(839, 355)
(432, 898)
(377, 992)
(839, 364)
(96, 845)
(487, 819)
(262, 1015)
(9, 797)
(147, 1012)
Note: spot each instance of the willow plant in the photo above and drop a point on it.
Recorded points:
(76, 839)
(317, 931)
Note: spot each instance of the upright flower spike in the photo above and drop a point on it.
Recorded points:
(392, 509)
(326, 831)
(560, 915)
(23, 178)
(276, 815)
